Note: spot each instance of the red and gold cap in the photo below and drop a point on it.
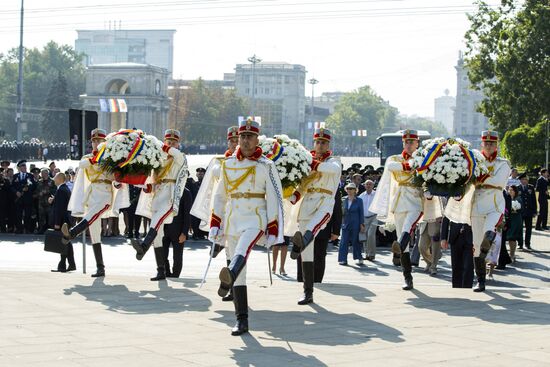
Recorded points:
(488, 135)
(232, 132)
(322, 134)
(410, 134)
(249, 126)
(98, 134)
(172, 134)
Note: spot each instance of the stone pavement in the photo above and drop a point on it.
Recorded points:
(360, 316)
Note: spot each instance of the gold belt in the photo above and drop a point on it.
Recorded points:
(247, 195)
(319, 190)
(483, 186)
(107, 182)
(167, 180)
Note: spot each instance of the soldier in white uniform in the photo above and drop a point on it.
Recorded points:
(314, 203)
(92, 196)
(247, 208)
(160, 200)
(488, 203)
(401, 202)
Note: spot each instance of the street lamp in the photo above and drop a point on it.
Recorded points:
(254, 60)
(312, 81)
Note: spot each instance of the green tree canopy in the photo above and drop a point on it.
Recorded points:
(362, 109)
(508, 57)
(525, 145)
(41, 68)
(421, 123)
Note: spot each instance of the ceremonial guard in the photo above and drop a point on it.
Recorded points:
(488, 203)
(313, 206)
(202, 206)
(247, 209)
(94, 196)
(403, 203)
(160, 200)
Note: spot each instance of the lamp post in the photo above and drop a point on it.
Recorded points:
(19, 113)
(312, 81)
(254, 60)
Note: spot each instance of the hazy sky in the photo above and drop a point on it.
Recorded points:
(405, 49)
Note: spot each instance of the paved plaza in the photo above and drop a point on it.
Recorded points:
(361, 317)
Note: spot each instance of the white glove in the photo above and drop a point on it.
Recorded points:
(159, 144)
(457, 197)
(271, 240)
(428, 195)
(214, 234)
(292, 199)
(382, 230)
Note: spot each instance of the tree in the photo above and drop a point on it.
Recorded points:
(204, 112)
(41, 70)
(524, 145)
(437, 129)
(362, 109)
(508, 58)
(56, 118)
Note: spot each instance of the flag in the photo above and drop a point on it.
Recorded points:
(309, 125)
(353, 132)
(321, 125)
(103, 106)
(113, 107)
(364, 132)
(122, 105)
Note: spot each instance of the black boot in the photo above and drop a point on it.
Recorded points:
(485, 246)
(407, 271)
(479, 266)
(142, 247)
(230, 273)
(299, 243)
(217, 249)
(159, 257)
(241, 310)
(100, 272)
(229, 296)
(398, 247)
(307, 275)
(70, 234)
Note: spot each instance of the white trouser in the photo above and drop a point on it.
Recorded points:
(98, 201)
(242, 245)
(315, 225)
(482, 224)
(162, 211)
(95, 231)
(405, 222)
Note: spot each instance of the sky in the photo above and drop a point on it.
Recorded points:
(405, 50)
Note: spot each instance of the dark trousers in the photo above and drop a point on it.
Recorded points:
(542, 219)
(528, 226)
(195, 224)
(319, 261)
(462, 255)
(23, 216)
(67, 259)
(177, 255)
(134, 222)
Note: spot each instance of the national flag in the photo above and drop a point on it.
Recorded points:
(103, 106)
(122, 105)
(113, 107)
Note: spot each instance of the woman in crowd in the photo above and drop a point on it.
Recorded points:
(515, 227)
(352, 222)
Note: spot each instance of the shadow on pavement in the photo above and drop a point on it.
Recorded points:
(313, 324)
(355, 292)
(498, 310)
(118, 298)
(254, 354)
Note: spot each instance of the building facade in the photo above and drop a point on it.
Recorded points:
(444, 110)
(150, 46)
(467, 123)
(276, 91)
(143, 89)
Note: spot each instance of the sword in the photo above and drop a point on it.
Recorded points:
(208, 265)
(269, 265)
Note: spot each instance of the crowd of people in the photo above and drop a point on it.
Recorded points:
(34, 150)
(237, 203)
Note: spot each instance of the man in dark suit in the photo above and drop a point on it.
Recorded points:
(330, 232)
(23, 186)
(542, 188)
(60, 215)
(175, 233)
(459, 237)
(5, 198)
(529, 209)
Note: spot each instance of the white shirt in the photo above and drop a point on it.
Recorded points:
(367, 200)
(513, 182)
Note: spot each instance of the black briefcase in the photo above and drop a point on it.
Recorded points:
(53, 242)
